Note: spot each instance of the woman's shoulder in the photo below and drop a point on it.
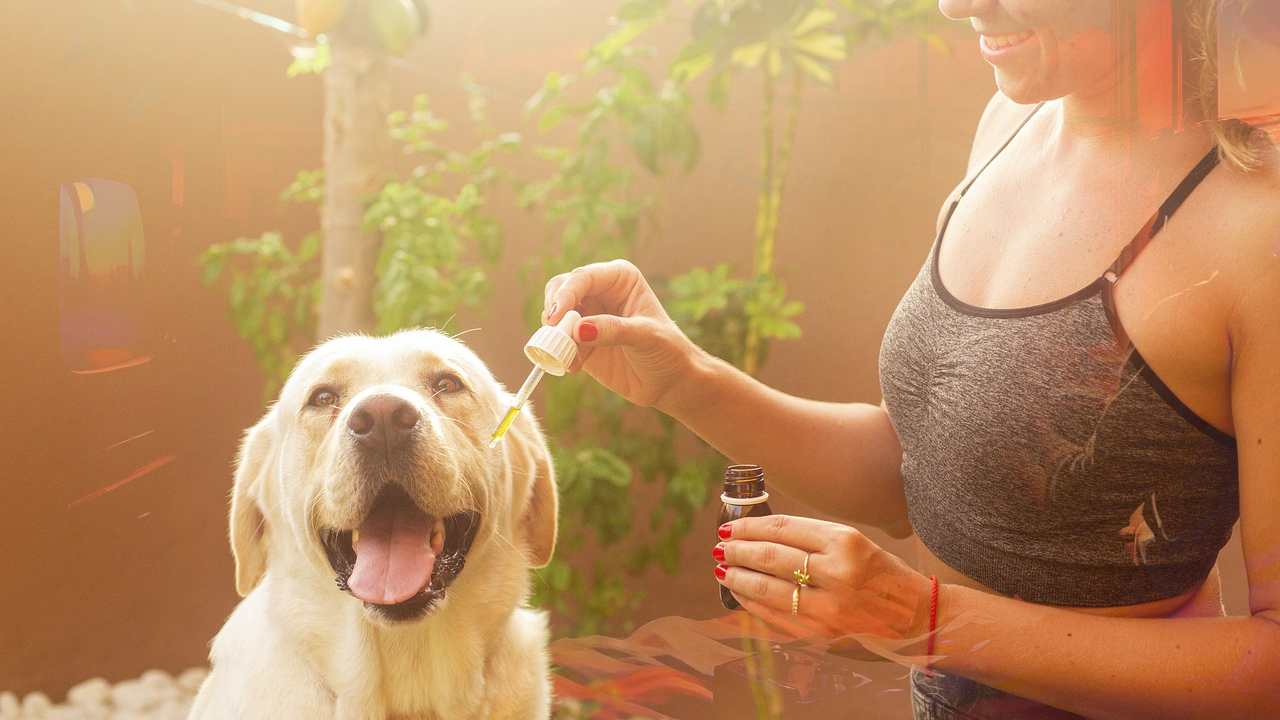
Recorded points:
(1251, 217)
(1243, 229)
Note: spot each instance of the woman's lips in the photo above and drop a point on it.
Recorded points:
(996, 47)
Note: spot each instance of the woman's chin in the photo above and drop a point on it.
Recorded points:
(1022, 90)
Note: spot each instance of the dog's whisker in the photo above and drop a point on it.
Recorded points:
(460, 333)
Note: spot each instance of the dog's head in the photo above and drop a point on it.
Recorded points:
(374, 467)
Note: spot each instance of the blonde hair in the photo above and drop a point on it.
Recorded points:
(1239, 144)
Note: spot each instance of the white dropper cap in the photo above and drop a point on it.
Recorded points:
(552, 348)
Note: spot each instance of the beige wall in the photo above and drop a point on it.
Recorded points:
(142, 577)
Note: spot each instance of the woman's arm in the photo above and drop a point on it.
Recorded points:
(1096, 666)
(1107, 667)
(844, 458)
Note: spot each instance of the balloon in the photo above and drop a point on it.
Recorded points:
(395, 24)
(320, 16)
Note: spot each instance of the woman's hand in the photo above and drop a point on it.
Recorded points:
(854, 586)
(626, 340)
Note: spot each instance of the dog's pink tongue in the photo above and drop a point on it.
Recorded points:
(393, 555)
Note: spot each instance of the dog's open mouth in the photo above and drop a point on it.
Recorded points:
(400, 560)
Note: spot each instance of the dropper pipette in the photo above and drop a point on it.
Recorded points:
(551, 350)
(522, 397)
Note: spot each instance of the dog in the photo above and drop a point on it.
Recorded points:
(382, 549)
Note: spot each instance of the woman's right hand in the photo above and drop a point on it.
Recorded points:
(626, 340)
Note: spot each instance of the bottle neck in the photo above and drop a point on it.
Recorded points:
(744, 485)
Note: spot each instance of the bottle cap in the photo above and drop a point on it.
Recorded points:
(552, 348)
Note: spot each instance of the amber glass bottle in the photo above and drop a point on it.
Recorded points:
(743, 496)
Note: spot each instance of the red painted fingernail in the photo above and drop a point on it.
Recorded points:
(588, 331)
(725, 531)
(720, 571)
(717, 552)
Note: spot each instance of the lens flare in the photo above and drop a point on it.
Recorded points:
(102, 257)
(1249, 64)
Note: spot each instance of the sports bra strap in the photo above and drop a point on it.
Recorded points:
(996, 154)
(1161, 216)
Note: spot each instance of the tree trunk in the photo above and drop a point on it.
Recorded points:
(357, 151)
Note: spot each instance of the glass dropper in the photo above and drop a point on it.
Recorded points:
(551, 350)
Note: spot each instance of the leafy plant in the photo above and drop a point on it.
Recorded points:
(781, 40)
(617, 121)
(272, 296)
(624, 121)
(440, 241)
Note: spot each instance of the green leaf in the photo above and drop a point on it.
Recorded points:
(814, 69)
(310, 61)
(814, 19)
(551, 119)
(212, 265)
(775, 62)
(608, 49)
(749, 56)
(641, 10)
(237, 291)
(828, 46)
(694, 60)
(310, 247)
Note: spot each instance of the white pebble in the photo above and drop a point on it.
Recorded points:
(191, 678)
(172, 710)
(132, 695)
(36, 704)
(156, 679)
(90, 693)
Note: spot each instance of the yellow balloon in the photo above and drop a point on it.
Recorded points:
(320, 16)
(395, 23)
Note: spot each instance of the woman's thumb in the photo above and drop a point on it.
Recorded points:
(607, 330)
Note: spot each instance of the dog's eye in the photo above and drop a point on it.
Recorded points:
(447, 383)
(323, 397)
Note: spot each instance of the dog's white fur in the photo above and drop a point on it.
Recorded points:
(296, 646)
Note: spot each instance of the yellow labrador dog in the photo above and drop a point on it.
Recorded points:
(383, 551)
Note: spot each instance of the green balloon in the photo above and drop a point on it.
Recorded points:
(395, 23)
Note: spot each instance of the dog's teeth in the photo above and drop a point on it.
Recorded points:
(437, 536)
(355, 537)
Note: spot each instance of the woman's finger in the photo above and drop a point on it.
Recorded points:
(757, 586)
(799, 627)
(760, 591)
(776, 559)
(611, 330)
(549, 292)
(611, 282)
(807, 534)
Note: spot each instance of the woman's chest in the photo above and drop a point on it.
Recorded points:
(1005, 250)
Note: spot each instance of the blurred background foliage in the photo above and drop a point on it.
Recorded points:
(597, 132)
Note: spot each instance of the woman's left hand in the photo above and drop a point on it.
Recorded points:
(854, 586)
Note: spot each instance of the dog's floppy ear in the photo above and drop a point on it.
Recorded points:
(248, 524)
(531, 463)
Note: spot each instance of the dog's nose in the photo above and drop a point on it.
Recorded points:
(383, 421)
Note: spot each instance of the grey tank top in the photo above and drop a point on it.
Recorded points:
(1041, 456)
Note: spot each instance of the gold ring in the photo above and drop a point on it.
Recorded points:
(795, 600)
(802, 575)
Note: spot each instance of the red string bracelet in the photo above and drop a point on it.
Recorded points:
(933, 621)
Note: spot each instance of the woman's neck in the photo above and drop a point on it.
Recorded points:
(1105, 118)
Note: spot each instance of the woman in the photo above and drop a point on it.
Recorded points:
(1073, 413)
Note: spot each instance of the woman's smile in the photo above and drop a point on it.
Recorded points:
(995, 48)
